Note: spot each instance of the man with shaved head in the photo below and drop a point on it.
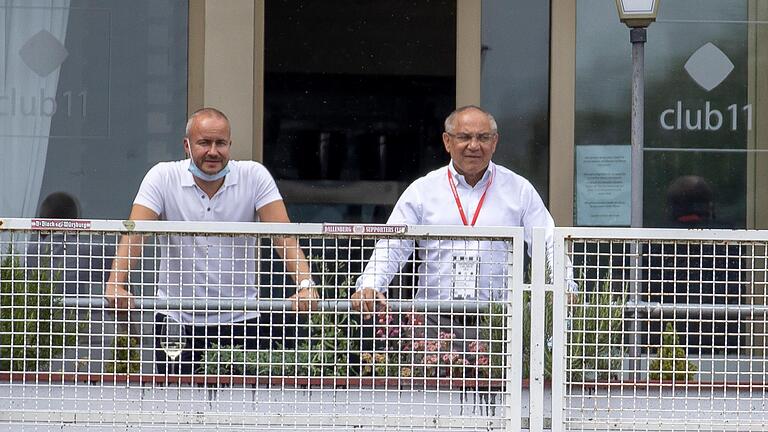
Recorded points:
(208, 186)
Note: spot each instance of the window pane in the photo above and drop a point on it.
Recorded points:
(355, 93)
(94, 93)
(515, 85)
(698, 115)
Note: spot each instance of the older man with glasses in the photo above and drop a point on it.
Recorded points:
(471, 190)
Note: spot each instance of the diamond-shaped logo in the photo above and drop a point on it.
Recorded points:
(43, 53)
(708, 66)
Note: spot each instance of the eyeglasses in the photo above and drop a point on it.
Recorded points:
(483, 138)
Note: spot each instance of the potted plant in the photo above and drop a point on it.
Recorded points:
(671, 363)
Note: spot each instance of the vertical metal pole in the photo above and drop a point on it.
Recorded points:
(638, 38)
(514, 318)
(558, 332)
(538, 330)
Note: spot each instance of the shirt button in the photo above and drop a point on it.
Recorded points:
(209, 209)
(202, 196)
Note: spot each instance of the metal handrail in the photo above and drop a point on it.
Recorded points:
(666, 310)
(154, 303)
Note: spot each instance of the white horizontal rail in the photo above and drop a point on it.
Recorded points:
(216, 228)
(444, 306)
(622, 234)
(677, 310)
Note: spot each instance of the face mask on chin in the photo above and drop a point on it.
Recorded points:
(197, 172)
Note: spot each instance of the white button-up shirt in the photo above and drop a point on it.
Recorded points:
(511, 200)
(207, 266)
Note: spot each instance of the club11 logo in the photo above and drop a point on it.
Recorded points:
(708, 67)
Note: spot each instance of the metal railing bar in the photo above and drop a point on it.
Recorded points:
(153, 303)
(658, 310)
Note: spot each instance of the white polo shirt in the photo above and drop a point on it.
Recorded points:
(207, 266)
(511, 200)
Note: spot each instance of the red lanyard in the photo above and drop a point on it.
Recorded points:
(458, 201)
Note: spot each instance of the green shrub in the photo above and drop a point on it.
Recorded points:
(34, 327)
(595, 346)
(326, 351)
(493, 330)
(670, 363)
(125, 356)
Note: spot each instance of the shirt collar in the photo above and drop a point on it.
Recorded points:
(459, 179)
(188, 180)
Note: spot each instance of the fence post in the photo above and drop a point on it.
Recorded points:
(559, 274)
(538, 335)
(514, 385)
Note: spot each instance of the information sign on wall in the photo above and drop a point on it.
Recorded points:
(603, 185)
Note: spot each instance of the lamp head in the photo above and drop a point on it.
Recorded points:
(637, 13)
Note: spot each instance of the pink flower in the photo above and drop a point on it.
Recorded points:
(431, 359)
(483, 360)
(447, 336)
(450, 358)
(384, 318)
(475, 347)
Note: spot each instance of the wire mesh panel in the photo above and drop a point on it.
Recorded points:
(667, 330)
(215, 337)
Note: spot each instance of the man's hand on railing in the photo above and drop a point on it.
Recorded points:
(572, 298)
(305, 300)
(118, 296)
(367, 301)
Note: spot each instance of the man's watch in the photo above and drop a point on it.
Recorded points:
(306, 283)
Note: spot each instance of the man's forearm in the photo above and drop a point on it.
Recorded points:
(128, 251)
(296, 263)
(387, 259)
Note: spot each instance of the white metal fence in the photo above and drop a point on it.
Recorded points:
(438, 357)
(666, 331)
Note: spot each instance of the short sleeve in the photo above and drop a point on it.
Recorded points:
(150, 193)
(265, 190)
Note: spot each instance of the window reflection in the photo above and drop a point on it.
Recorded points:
(698, 114)
(121, 101)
